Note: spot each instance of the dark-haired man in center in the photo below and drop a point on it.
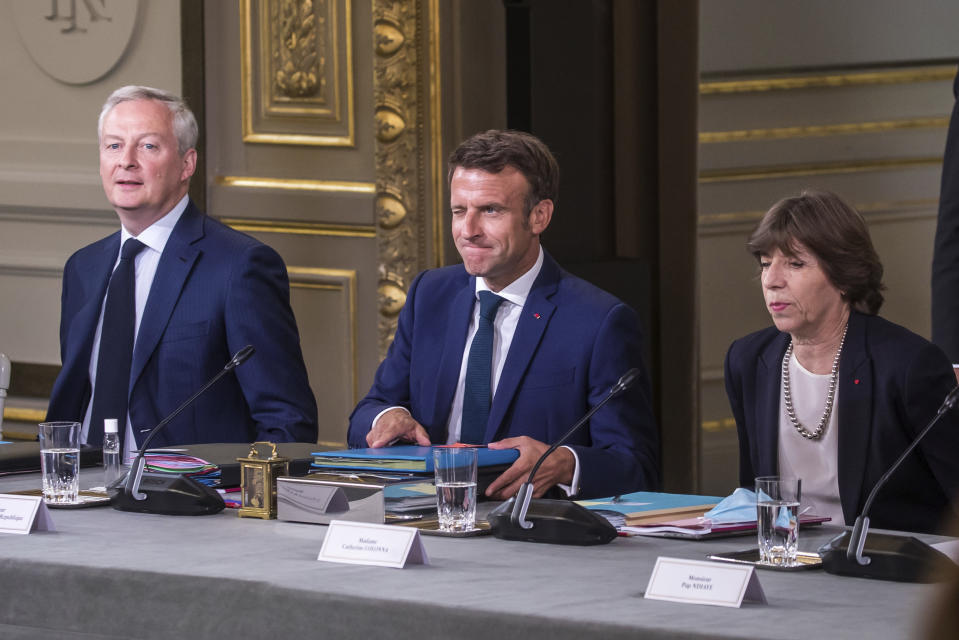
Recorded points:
(507, 349)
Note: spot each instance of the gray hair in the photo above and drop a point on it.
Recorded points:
(184, 123)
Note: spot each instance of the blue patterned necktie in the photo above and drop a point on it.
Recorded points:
(110, 393)
(477, 395)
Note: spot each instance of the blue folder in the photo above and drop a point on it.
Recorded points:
(402, 458)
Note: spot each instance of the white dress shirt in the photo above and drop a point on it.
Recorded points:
(145, 266)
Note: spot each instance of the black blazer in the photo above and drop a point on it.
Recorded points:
(891, 383)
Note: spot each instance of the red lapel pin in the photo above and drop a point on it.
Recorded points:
(856, 381)
(536, 315)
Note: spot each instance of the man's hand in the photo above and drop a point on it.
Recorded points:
(558, 468)
(397, 424)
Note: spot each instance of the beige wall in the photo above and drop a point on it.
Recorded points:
(853, 97)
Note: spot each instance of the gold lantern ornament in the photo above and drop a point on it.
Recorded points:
(258, 482)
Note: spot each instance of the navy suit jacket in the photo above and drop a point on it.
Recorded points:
(572, 343)
(215, 291)
(891, 383)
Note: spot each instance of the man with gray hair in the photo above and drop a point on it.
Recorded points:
(151, 312)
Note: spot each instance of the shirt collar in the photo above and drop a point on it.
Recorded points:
(156, 235)
(518, 290)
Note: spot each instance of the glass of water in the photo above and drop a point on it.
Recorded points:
(777, 513)
(455, 471)
(60, 461)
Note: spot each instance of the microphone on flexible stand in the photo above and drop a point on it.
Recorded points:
(890, 557)
(555, 521)
(165, 493)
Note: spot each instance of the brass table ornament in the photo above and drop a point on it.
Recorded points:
(258, 482)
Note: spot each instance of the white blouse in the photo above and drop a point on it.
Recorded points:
(815, 461)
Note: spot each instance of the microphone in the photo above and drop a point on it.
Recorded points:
(4, 385)
(165, 493)
(556, 521)
(891, 557)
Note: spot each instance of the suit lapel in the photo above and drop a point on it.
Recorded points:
(767, 405)
(855, 415)
(534, 318)
(76, 358)
(85, 322)
(174, 267)
(451, 360)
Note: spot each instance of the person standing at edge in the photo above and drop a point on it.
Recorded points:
(507, 349)
(142, 327)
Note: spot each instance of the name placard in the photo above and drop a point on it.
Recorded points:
(701, 582)
(24, 514)
(379, 545)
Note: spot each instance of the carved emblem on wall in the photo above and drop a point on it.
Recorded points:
(297, 61)
(297, 75)
(75, 41)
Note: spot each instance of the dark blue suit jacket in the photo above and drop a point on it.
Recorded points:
(215, 290)
(572, 343)
(891, 382)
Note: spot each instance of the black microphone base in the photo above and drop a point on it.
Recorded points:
(168, 494)
(892, 557)
(554, 522)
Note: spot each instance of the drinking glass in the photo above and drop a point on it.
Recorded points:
(60, 461)
(777, 515)
(455, 471)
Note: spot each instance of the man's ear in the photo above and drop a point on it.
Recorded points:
(189, 164)
(540, 216)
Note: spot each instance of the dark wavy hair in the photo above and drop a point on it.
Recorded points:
(494, 150)
(835, 233)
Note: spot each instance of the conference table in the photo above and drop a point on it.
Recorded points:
(110, 574)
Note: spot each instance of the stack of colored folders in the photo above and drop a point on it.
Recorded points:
(167, 462)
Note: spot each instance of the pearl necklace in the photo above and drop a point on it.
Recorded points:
(830, 394)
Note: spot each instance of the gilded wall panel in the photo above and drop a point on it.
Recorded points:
(297, 72)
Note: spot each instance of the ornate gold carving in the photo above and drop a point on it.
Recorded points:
(392, 297)
(297, 60)
(388, 38)
(405, 93)
(390, 212)
(389, 124)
